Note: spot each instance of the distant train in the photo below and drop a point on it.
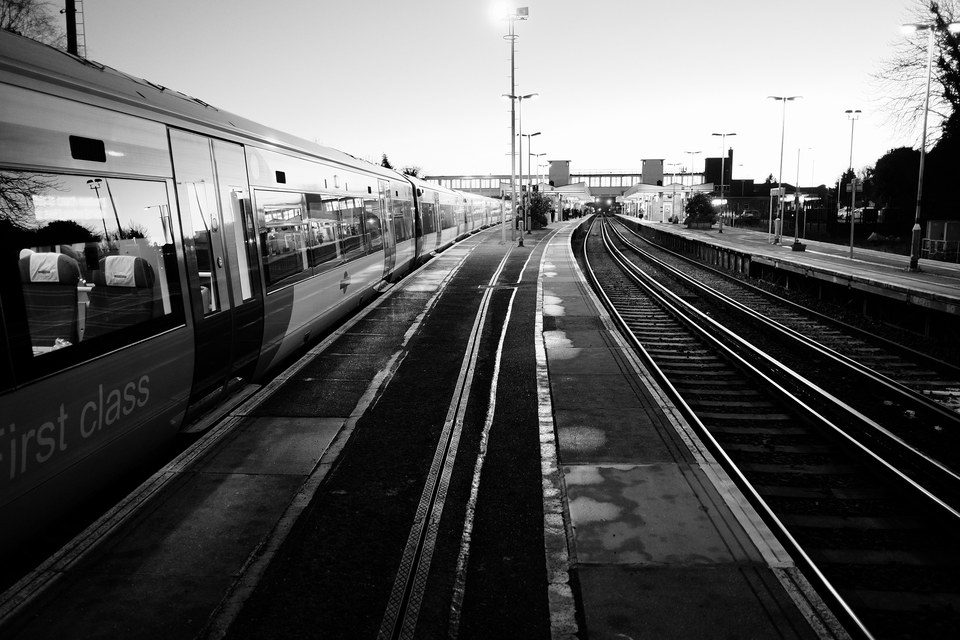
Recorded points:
(154, 248)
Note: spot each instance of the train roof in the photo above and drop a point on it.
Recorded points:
(31, 64)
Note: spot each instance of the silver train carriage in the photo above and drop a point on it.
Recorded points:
(154, 248)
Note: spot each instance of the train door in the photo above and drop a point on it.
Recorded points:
(389, 237)
(439, 218)
(225, 292)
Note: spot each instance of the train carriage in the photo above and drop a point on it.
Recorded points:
(153, 248)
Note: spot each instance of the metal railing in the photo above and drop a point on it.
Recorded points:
(943, 250)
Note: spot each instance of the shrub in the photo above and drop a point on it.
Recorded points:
(699, 210)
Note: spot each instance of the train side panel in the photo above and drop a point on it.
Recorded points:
(321, 241)
(91, 290)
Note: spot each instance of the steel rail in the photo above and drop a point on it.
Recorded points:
(683, 310)
(780, 530)
(651, 287)
(893, 385)
(928, 464)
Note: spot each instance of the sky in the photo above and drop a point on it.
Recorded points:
(619, 80)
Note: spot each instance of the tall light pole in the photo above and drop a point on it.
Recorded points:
(783, 130)
(692, 154)
(521, 13)
(519, 122)
(797, 245)
(723, 158)
(852, 114)
(539, 164)
(953, 27)
(529, 193)
(673, 196)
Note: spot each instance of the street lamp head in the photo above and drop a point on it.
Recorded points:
(907, 29)
(504, 11)
(785, 98)
(528, 96)
(534, 134)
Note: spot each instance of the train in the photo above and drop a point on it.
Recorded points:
(154, 251)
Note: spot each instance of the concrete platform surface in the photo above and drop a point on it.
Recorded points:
(655, 547)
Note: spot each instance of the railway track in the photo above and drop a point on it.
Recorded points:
(892, 395)
(935, 380)
(870, 518)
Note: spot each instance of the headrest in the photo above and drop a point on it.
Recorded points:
(53, 268)
(124, 271)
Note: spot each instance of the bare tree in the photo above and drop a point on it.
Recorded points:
(16, 195)
(903, 78)
(35, 19)
(412, 170)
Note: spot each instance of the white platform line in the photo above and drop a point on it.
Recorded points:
(563, 620)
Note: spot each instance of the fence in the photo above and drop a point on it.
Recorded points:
(943, 250)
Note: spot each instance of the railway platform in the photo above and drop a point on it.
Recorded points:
(476, 454)
(936, 286)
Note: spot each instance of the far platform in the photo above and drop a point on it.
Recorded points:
(936, 286)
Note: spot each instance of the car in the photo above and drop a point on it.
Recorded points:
(749, 216)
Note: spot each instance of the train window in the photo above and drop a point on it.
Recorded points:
(283, 235)
(322, 240)
(428, 217)
(351, 228)
(447, 216)
(237, 218)
(95, 257)
(373, 230)
(197, 195)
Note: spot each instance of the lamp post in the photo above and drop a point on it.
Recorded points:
(520, 13)
(852, 114)
(519, 123)
(723, 175)
(673, 196)
(529, 194)
(539, 164)
(691, 154)
(95, 185)
(797, 245)
(780, 191)
(953, 27)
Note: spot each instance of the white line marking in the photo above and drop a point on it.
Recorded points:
(563, 620)
(49, 572)
(464, 557)
(260, 558)
(427, 519)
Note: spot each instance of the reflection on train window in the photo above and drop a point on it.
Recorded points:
(323, 230)
(448, 216)
(95, 255)
(351, 228)
(428, 217)
(283, 234)
(371, 224)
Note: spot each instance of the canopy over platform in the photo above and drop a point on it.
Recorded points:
(640, 191)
